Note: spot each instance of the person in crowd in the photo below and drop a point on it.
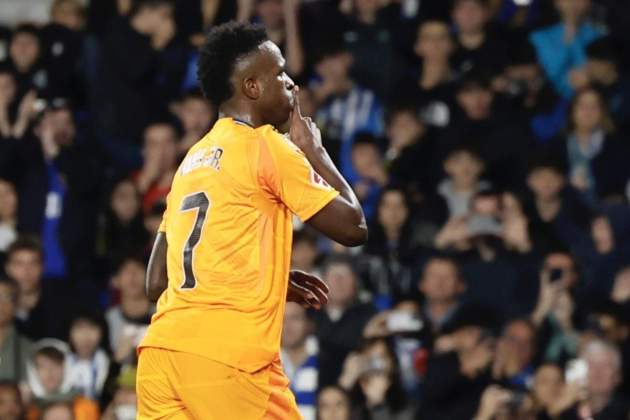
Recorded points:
(458, 371)
(409, 151)
(58, 411)
(305, 252)
(60, 178)
(373, 376)
(593, 156)
(160, 163)
(561, 47)
(340, 324)
(299, 358)
(25, 52)
(89, 362)
(125, 91)
(333, 403)
(8, 214)
(482, 122)
(11, 405)
(344, 107)
(49, 382)
(499, 403)
(14, 348)
(370, 172)
(124, 402)
(128, 320)
(476, 47)
(432, 90)
(557, 218)
(121, 229)
(374, 36)
(196, 116)
(41, 305)
(548, 389)
(393, 243)
(514, 360)
(603, 377)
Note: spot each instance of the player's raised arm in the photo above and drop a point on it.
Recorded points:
(342, 219)
(156, 279)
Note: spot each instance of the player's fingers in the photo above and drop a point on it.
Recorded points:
(296, 112)
(316, 281)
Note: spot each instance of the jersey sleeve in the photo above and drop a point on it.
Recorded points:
(286, 173)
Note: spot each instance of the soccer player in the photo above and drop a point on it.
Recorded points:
(212, 350)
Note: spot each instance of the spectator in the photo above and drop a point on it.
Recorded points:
(604, 71)
(431, 91)
(14, 348)
(556, 217)
(441, 285)
(483, 125)
(41, 306)
(299, 358)
(121, 229)
(305, 251)
(123, 405)
(128, 320)
(393, 244)
(160, 163)
(126, 93)
(561, 47)
(589, 151)
(476, 47)
(345, 108)
(463, 168)
(60, 177)
(548, 389)
(372, 35)
(196, 116)
(458, 371)
(89, 363)
(378, 391)
(11, 406)
(604, 375)
(370, 172)
(25, 53)
(281, 20)
(408, 151)
(333, 403)
(340, 324)
(514, 358)
(48, 373)
(502, 404)
(8, 214)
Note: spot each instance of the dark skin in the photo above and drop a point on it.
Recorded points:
(265, 94)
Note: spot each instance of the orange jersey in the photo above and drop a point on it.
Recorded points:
(228, 225)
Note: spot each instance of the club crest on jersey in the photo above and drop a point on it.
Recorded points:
(204, 158)
(317, 179)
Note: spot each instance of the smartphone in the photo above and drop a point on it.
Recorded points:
(555, 274)
(403, 321)
(576, 371)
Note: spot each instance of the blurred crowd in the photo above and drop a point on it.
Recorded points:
(486, 139)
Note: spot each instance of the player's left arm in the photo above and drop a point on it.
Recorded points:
(156, 278)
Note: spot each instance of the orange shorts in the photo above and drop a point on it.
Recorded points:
(175, 385)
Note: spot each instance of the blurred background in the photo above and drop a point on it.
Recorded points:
(487, 141)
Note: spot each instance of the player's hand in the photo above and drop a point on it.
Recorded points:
(307, 290)
(303, 132)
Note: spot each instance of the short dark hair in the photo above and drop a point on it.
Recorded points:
(52, 353)
(13, 386)
(224, 45)
(446, 259)
(26, 28)
(25, 243)
(603, 49)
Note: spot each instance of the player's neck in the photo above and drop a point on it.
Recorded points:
(240, 112)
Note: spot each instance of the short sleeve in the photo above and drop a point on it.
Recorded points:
(287, 174)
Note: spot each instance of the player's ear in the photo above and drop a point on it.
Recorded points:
(251, 88)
